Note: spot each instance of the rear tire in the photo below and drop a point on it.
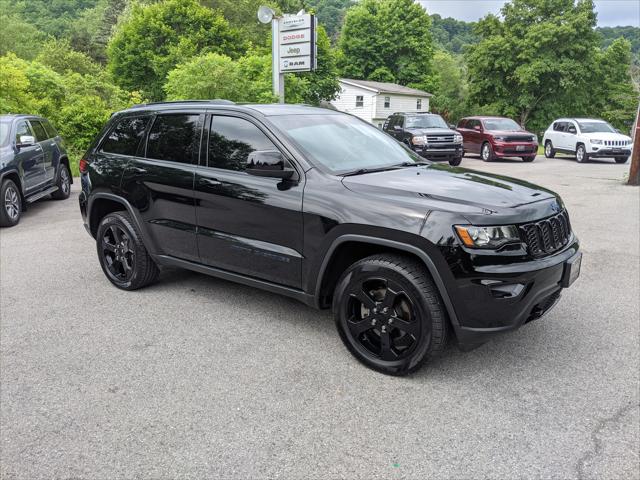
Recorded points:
(63, 183)
(123, 257)
(621, 159)
(389, 314)
(581, 154)
(486, 152)
(528, 159)
(10, 204)
(454, 162)
(549, 151)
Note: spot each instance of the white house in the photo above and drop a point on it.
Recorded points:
(375, 101)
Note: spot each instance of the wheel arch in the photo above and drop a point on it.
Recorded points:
(14, 176)
(347, 249)
(64, 159)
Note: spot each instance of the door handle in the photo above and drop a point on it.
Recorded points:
(138, 170)
(209, 181)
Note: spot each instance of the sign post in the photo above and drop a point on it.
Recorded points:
(293, 45)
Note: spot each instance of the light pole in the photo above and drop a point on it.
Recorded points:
(266, 15)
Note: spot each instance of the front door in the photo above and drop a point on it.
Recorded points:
(30, 159)
(247, 224)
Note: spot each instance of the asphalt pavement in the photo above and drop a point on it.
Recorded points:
(196, 377)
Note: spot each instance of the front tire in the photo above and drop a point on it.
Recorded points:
(389, 314)
(11, 208)
(63, 183)
(454, 162)
(122, 254)
(581, 154)
(528, 159)
(486, 152)
(621, 159)
(549, 151)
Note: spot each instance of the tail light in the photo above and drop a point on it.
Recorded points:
(83, 166)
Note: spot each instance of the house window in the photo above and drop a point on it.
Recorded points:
(359, 101)
(387, 102)
(419, 104)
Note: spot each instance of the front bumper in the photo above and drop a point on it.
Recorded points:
(448, 151)
(597, 151)
(497, 298)
(515, 149)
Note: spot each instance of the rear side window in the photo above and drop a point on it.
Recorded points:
(125, 137)
(175, 138)
(232, 139)
(462, 123)
(49, 128)
(41, 133)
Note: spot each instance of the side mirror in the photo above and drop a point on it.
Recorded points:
(397, 128)
(268, 163)
(452, 126)
(618, 131)
(26, 141)
(572, 130)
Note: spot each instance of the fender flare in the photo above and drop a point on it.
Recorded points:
(130, 210)
(421, 254)
(20, 179)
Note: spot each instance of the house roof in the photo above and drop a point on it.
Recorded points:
(385, 87)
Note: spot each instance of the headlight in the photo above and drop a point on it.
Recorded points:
(596, 142)
(534, 138)
(419, 140)
(457, 138)
(499, 139)
(487, 237)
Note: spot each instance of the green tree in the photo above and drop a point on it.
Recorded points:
(19, 37)
(450, 34)
(155, 38)
(389, 34)
(448, 85)
(59, 55)
(330, 14)
(535, 64)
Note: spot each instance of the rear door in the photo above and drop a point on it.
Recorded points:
(50, 152)
(159, 181)
(247, 224)
(29, 158)
(474, 135)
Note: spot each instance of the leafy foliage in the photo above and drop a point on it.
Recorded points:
(155, 38)
(448, 84)
(389, 34)
(450, 34)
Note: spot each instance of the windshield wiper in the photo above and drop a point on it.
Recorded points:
(362, 171)
(411, 164)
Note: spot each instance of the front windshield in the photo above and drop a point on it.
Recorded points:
(501, 124)
(343, 143)
(426, 121)
(5, 130)
(596, 127)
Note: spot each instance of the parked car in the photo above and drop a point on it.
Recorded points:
(586, 138)
(426, 134)
(33, 164)
(497, 137)
(325, 208)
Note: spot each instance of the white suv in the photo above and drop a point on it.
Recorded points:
(586, 138)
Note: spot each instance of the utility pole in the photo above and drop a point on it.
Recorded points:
(277, 77)
(634, 171)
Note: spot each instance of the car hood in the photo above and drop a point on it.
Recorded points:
(431, 131)
(606, 136)
(451, 185)
(508, 132)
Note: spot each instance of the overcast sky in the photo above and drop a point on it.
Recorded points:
(611, 13)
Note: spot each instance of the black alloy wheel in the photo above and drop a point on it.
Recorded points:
(63, 183)
(11, 204)
(122, 254)
(389, 314)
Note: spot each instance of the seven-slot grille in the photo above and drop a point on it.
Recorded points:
(547, 236)
(615, 143)
(519, 138)
(440, 139)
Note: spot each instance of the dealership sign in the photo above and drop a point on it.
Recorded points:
(297, 43)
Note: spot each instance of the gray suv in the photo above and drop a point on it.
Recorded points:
(427, 134)
(33, 164)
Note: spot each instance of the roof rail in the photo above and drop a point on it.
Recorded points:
(216, 101)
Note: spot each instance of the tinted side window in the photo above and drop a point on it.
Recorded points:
(559, 126)
(23, 129)
(232, 139)
(175, 138)
(462, 123)
(41, 133)
(49, 128)
(125, 137)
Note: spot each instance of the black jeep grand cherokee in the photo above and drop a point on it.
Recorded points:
(320, 206)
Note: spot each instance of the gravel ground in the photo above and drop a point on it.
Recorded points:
(197, 377)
